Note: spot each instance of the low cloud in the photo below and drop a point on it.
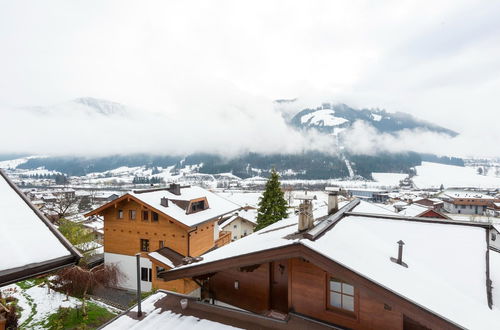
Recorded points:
(363, 138)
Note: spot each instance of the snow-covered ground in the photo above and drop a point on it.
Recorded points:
(432, 175)
(38, 303)
(388, 179)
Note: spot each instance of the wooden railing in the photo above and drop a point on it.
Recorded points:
(224, 238)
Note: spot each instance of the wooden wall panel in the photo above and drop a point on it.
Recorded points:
(123, 236)
(184, 286)
(202, 239)
(253, 292)
(309, 297)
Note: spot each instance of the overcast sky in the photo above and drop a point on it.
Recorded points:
(221, 63)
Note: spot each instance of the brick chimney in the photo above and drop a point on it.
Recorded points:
(333, 199)
(306, 219)
(175, 188)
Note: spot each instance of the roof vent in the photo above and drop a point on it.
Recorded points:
(175, 189)
(399, 260)
(164, 201)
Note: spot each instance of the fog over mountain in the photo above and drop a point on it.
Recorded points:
(205, 79)
(97, 127)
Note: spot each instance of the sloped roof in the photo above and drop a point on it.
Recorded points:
(439, 275)
(217, 205)
(30, 244)
(414, 210)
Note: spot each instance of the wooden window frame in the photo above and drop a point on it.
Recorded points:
(144, 242)
(119, 214)
(344, 312)
(130, 213)
(145, 215)
(161, 244)
(155, 217)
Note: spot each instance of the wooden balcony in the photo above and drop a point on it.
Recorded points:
(224, 238)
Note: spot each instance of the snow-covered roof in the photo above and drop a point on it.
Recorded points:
(446, 262)
(467, 194)
(497, 227)
(217, 205)
(28, 238)
(157, 318)
(164, 260)
(413, 210)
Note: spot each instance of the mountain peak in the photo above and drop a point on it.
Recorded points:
(332, 118)
(104, 107)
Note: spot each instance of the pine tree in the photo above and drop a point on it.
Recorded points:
(272, 204)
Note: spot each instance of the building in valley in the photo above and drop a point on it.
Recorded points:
(240, 224)
(467, 202)
(420, 211)
(358, 270)
(165, 225)
(433, 203)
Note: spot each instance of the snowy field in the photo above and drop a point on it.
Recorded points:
(432, 175)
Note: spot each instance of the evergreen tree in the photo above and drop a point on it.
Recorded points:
(272, 204)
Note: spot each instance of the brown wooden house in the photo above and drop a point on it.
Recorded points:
(164, 225)
(353, 270)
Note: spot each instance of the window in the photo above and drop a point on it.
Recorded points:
(235, 226)
(145, 215)
(462, 206)
(197, 206)
(493, 236)
(341, 295)
(145, 245)
(158, 270)
(154, 216)
(146, 274)
(131, 214)
(161, 244)
(120, 214)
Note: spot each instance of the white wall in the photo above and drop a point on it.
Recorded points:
(242, 227)
(127, 264)
(494, 243)
(452, 208)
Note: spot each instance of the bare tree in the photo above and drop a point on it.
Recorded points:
(80, 281)
(62, 205)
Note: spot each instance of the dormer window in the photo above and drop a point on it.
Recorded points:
(197, 206)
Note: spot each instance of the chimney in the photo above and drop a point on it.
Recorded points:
(333, 199)
(399, 260)
(306, 219)
(164, 201)
(175, 188)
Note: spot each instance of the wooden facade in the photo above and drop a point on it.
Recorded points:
(295, 280)
(131, 227)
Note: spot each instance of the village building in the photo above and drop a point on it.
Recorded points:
(467, 202)
(354, 269)
(240, 224)
(164, 225)
(417, 210)
(433, 203)
(493, 210)
(370, 194)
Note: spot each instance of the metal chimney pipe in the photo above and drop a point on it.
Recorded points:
(139, 309)
(399, 260)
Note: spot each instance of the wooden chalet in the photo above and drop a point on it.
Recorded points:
(164, 225)
(31, 246)
(356, 270)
